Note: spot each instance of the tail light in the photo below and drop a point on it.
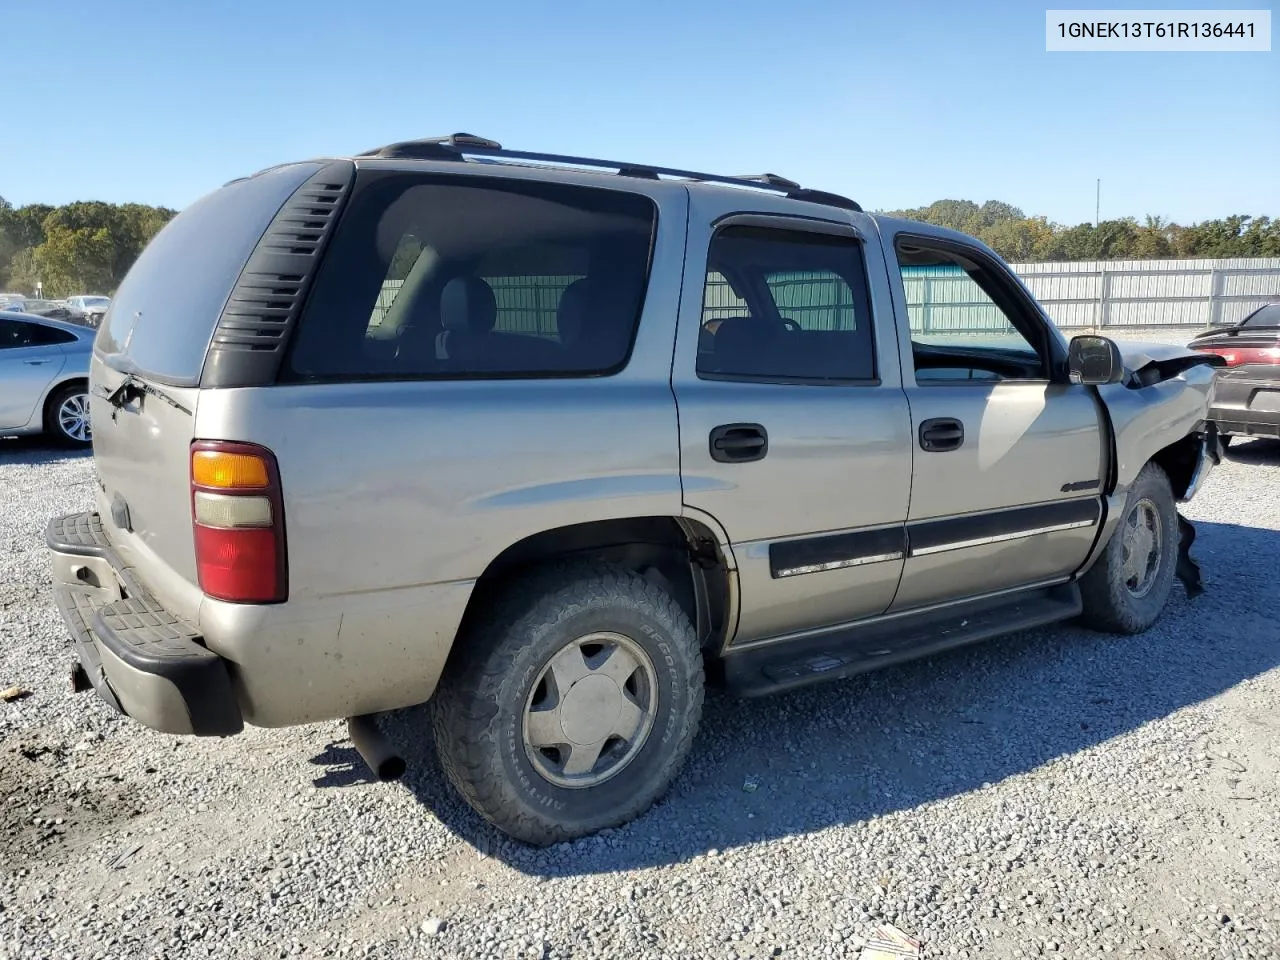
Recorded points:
(1238, 356)
(237, 514)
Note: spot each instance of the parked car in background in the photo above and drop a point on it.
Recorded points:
(90, 308)
(52, 309)
(1247, 399)
(44, 378)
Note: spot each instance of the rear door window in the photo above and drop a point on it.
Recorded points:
(432, 277)
(786, 305)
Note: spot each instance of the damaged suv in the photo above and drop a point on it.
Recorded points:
(551, 443)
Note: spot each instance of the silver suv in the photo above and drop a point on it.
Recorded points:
(553, 442)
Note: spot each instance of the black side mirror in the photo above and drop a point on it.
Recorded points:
(1094, 360)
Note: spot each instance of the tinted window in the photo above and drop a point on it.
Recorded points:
(439, 277)
(1268, 316)
(785, 305)
(173, 294)
(15, 333)
(959, 330)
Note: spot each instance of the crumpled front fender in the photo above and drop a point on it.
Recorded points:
(1148, 418)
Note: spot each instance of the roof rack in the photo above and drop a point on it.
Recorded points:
(459, 145)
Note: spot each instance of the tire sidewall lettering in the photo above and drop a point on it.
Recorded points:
(560, 802)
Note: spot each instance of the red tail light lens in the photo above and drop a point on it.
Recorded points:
(1238, 356)
(237, 515)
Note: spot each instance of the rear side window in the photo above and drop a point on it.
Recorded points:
(17, 333)
(785, 305)
(461, 277)
(1268, 316)
(161, 320)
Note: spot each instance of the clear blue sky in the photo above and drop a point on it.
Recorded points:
(894, 103)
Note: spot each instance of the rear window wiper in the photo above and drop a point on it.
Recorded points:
(131, 388)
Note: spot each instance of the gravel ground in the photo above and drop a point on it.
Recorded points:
(1056, 793)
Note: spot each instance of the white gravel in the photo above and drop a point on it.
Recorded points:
(1057, 793)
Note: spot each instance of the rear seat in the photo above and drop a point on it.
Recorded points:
(750, 345)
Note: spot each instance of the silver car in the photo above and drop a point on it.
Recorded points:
(551, 443)
(89, 308)
(44, 378)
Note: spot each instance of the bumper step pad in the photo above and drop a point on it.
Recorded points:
(128, 645)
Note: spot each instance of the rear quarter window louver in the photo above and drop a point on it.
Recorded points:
(263, 308)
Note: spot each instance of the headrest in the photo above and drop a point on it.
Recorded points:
(468, 304)
(744, 340)
(571, 313)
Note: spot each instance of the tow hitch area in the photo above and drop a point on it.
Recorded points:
(80, 682)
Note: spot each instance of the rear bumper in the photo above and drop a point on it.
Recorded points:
(1246, 423)
(1247, 406)
(142, 660)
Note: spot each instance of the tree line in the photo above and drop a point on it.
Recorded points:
(82, 247)
(1022, 239)
(88, 246)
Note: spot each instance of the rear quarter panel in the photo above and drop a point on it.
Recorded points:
(397, 496)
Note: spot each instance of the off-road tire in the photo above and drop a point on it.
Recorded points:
(1108, 604)
(478, 709)
(53, 429)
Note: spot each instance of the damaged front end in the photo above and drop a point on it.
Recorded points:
(1159, 411)
(1210, 455)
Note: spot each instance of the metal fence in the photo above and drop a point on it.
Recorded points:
(1173, 294)
(1152, 293)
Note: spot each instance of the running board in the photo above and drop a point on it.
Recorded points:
(845, 651)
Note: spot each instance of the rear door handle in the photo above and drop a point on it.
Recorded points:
(940, 434)
(739, 442)
(36, 363)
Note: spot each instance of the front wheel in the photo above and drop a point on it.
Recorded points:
(1125, 591)
(571, 706)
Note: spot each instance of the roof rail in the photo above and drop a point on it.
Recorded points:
(457, 146)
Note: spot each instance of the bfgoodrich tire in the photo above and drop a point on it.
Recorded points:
(1126, 590)
(571, 705)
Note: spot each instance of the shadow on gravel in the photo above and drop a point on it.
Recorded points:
(344, 768)
(1255, 451)
(852, 750)
(38, 450)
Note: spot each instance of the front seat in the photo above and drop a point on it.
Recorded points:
(468, 312)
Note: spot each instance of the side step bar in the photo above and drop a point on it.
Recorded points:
(846, 651)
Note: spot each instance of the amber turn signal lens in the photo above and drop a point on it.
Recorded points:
(227, 471)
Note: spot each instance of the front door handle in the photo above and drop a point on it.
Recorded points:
(940, 434)
(739, 442)
(36, 363)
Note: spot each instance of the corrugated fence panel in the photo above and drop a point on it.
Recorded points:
(1151, 293)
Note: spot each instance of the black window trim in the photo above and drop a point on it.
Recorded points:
(288, 376)
(50, 330)
(794, 223)
(1009, 296)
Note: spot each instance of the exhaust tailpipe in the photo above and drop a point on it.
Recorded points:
(374, 748)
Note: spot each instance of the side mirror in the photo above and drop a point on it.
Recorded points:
(1094, 360)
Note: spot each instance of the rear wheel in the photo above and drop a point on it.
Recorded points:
(571, 706)
(1125, 591)
(66, 416)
